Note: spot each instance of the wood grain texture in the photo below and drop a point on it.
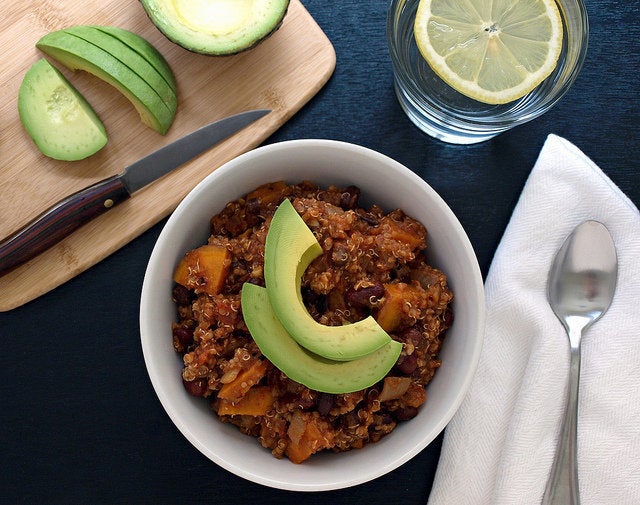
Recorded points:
(281, 74)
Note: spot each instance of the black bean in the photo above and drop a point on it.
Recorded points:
(365, 297)
(407, 364)
(325, 403)
(406, 413)
(368, 218)
(197, 387)
(447, 317)
(252, 206)
(412, 335)
(184, 335)
(340, 254)
(349, 197)
(181, 295)
(314, 300)
(304, 402)
(386, 418)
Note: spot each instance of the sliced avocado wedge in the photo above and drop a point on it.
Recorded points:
(216, 27)
(144, 49)
(76, 53)
(56, 116)
(290, 248)
(131, 58)
(315, 372)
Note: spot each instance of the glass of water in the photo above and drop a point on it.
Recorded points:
(442, 112)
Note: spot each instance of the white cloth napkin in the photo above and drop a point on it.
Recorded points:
(499, 447)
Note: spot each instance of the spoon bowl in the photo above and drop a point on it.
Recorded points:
(582, 282)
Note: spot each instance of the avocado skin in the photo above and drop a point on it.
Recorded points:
(176, 33)
(290, 248)
(300, 365)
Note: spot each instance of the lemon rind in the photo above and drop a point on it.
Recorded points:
(471, 88)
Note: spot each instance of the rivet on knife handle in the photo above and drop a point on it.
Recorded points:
(59, 221)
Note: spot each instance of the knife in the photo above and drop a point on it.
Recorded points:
(69, 214)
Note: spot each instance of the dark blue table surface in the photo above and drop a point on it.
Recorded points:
(80, 422)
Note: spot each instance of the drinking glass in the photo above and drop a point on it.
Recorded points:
(443, 113)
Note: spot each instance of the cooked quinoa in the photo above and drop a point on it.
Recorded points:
(373, 263)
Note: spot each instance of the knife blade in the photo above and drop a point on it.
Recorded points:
(70, 213)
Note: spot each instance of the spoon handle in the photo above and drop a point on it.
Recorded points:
(562, 487)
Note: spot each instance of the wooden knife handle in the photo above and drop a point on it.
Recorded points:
(60, 220)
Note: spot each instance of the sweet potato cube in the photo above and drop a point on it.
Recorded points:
(404, 234)
(305, 437)
(256, 402)
(390, 313)
(299, 452)
(204, 269)
(249, 377)
(314, 435)
(269, 193)
(394, 388)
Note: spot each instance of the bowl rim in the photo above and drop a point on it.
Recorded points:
(147, 340)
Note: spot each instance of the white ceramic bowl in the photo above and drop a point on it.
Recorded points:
(382, 181)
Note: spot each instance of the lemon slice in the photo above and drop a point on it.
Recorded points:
(494, 51)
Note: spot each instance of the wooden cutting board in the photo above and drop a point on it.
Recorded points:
(281, 74)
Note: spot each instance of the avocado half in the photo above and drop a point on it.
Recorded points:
(216, 27)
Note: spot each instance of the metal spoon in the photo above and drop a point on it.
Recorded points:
(582, 281)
